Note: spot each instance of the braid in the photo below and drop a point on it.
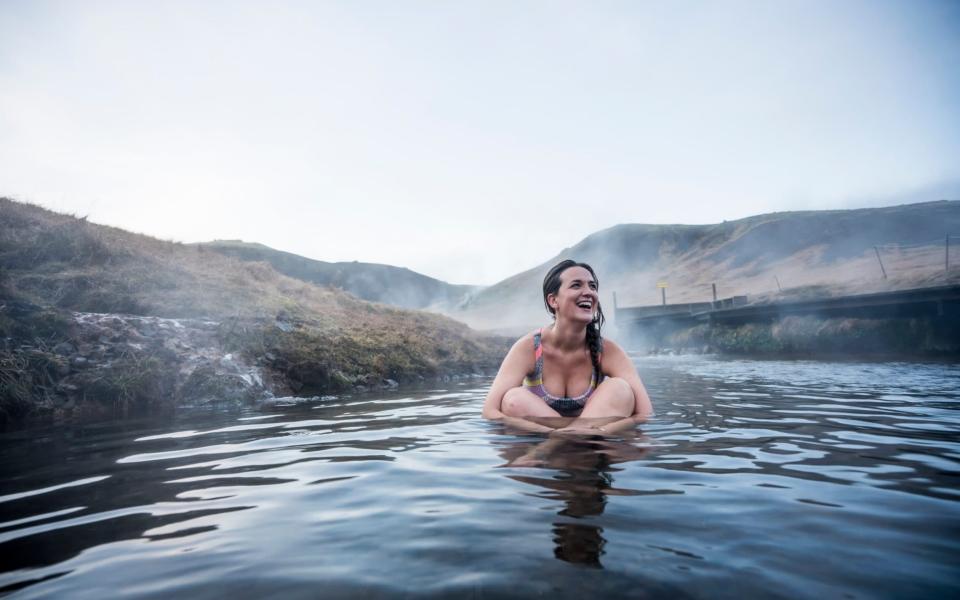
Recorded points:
(595, 343)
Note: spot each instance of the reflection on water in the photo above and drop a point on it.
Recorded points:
(581, 476)
(772, 479)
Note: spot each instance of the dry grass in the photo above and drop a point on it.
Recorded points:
(60, 261)
(824, 253)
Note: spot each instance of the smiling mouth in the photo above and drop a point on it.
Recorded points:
(585, 304)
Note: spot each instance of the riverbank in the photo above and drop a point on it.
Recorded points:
(814, 337)
(95, 320)
(63, 365)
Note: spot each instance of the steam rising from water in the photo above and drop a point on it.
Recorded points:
(806, 254)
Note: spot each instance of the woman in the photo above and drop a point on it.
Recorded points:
(566, 370)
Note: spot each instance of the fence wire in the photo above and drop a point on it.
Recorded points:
(901, 258)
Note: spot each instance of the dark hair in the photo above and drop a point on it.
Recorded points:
(551, 285)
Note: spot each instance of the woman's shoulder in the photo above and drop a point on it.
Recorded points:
(611, 348)
(608, 343)
(522, 354)
(527, 341)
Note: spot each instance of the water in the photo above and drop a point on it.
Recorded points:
(764, 479)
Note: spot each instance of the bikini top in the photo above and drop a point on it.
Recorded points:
(534, 381)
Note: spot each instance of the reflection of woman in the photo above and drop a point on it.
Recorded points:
(597, 388)
(582, 479)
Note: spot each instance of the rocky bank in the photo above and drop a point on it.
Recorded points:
(95, 319)
(65, 364)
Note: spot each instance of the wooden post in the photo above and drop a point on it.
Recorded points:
(663, 291)
(882, 270)
(714, 292)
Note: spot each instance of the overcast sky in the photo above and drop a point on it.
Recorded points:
(471, 140)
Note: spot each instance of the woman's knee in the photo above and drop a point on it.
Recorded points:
(619, 393)
(516, 402)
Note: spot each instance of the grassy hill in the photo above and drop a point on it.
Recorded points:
(398, 286)
(318, 339)
(810, 253)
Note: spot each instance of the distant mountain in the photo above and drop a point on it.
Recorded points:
(804, 253)
(397, 286)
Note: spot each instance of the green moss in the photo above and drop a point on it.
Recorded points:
(206, 385)
(317, 359)
(133, 384)
(18, 386)
(23, 321)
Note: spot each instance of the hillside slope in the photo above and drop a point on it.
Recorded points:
(810, 252)
(225, 324)
(397, 286)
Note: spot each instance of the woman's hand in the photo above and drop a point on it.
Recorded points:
(580, 429)
(525, 425)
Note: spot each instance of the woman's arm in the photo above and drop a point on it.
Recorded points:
(518, 362)
(616, 363)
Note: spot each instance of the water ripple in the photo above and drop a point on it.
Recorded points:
(747, 471)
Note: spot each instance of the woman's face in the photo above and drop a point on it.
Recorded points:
(577, 298)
